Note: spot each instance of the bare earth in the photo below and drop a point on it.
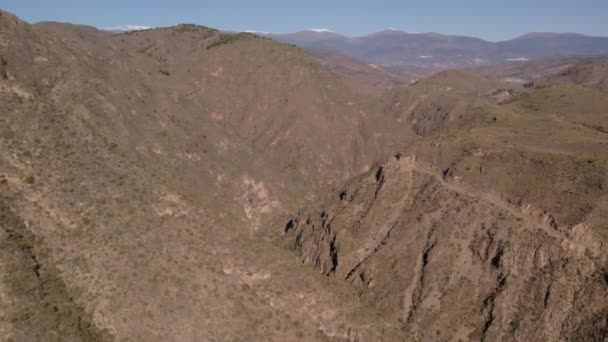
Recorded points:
(181, 184)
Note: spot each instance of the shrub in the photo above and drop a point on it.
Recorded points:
(192, 28)
(29, 179)
(228, 38)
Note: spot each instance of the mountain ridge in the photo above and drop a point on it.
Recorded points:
(148, 164)
(185, 183)
(400, 48)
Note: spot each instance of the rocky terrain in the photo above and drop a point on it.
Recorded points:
(590, 72)
(137, 168)
(365, 77)
(184, 184)
(495, 232)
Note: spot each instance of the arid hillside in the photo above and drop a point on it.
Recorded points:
(138, 169)
(444, 99)
(494, 231)
(590, 72)
(204, 107)
(183, 184)
(368, 78)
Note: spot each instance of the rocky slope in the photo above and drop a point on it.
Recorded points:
(368, 78)
(444, 99)
(135, 170)
(590, 72)
(587, 73)
(142, 174)
(490, 232)
(203, 105)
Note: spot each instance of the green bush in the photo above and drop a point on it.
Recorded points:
(192, 28)
(228, 38)
(29, 179)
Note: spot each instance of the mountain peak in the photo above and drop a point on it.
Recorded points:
(257, 32)
(7, 19)
(126, 28)
(321, 30)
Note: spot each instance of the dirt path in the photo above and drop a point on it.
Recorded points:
(414, 165)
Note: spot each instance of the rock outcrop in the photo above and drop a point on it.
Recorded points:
(478, 233)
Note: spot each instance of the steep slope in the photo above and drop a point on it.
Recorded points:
(182, 88)
(589, 72)
(141, 175)
(444, 99)
(488, 232)
(136, 168)
(368, 78)
(99, 248)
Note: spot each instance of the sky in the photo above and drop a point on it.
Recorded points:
(489, 19)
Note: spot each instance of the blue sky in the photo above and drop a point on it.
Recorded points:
(493, 20)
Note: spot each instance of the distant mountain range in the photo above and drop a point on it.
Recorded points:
(393, 47)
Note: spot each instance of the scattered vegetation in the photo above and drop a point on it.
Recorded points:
(192, 28)
(228, 38)
(146, 48)
(29, 179)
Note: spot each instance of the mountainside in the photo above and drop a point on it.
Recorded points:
(399, 48)
(445, 99)
(137, 168)
(590, 72)
(185, 184)
(368, 78)
(496, 231)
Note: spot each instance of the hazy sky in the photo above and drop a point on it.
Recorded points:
(493, 20)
